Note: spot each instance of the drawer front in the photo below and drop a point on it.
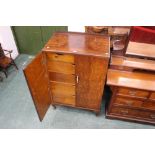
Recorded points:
(69, 100)
(59, 77)
(149, 105)
(133, 92)
(60, 57)
(152, 96)
(132, 113)
(61, 67)
(124, 111)
(127, 102)
(59, 89)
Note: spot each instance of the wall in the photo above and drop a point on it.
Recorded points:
(76, 28)
(7, 40)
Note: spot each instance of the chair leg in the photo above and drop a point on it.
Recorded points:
(5, 72)
(15, 65)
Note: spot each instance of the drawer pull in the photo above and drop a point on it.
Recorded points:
(124, 111)
(129, 103)
(59, 53)
(152, 116)
(132, 92)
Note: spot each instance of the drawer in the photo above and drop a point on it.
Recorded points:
(133, 92)
(69, 100)
(152, 96)
(59, 77)
(149, 105)
(132, 113)
(62, 89)
(124, 111)
(60, 57)
(127, 102)
(61, 67)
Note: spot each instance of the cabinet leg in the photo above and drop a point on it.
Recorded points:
(97, 113)
(54, 106)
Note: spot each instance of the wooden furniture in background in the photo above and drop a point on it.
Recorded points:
(5, 60)
(70, 70)
(118, 36)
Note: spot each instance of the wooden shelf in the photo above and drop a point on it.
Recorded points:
(141, 49)
(137, 80)
(133, 63)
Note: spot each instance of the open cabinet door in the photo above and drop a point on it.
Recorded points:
(37, 80)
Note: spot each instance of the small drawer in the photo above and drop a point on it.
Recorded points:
(152, 96)
(61, 67)
(60, 57)
(59, 77)
(68, 100)
(59, 89)
(127, 102)
(133, 92)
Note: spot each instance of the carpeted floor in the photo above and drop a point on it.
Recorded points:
(17, 109)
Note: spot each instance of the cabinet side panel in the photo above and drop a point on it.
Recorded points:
(91, 72)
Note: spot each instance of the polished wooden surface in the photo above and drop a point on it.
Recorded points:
(91, 72)
(79, 43)
(37, 80)
(144, 81)
(134, 63)
(141, 49)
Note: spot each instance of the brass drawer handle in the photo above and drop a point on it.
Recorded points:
(132, 92)
(124, 111)
(129, 103)
(152, 116)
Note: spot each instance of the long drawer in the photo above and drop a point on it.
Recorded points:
(133, 92)
(132, 113)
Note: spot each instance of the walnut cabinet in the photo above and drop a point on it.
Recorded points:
(70, 70)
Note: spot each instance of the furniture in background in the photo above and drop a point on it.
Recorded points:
(70, 70)
(132, 79)
(118, 36)
(6, 60)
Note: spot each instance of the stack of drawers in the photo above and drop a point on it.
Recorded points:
(61, 69)
(132, 104)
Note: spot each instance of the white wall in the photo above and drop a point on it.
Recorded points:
(7, 40)
(76, 28)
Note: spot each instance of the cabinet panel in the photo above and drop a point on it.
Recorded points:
(37, 80)
(91, 73)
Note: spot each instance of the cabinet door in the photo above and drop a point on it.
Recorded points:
(91, 73)
(37, 80)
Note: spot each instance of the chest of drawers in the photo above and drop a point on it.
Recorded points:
(70, 70)
(133, 96)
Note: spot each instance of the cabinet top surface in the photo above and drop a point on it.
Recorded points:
(136, 80)
(79, 43)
